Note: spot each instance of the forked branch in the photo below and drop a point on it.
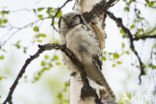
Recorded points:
(43, 48)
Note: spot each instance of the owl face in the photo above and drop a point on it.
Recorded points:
(70, 20)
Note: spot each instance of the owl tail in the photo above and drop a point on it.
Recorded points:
(97, 76)
(104, 83)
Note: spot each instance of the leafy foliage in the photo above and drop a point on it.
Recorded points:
(62, 95)
(41, 14)
(47, 63)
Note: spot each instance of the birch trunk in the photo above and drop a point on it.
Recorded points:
(75, 91)
(76, 84)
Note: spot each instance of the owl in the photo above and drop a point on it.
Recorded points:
(82, 41)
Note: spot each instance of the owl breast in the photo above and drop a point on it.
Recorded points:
(83, 42)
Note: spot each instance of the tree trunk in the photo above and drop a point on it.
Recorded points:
(76, 83)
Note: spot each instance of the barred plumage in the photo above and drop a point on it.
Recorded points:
(83, 42)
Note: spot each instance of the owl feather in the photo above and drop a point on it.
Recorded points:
(83, 42)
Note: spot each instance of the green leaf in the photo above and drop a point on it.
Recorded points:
(116, 56)
(104, 52)
(40, 41)
(150, 65)
(44, 69)
(49, 10)
(25, 77)
(54, 11)
(132, 27)
(104, 58)
(4, 20)
(1, 22)
(154, 67)
(40, 9)
(50, 65)
(59, 14)
(43, 63)
(66, 84)
(113, 65)
(40, 35)
(127, 52)
(54, 23)
(122, 31)
(147, 1)
(50, 16)
(1, 77)
(1, 57)
(40, 16)
(56, 42)
(130, 1)
(36, 36)
(25, 49)
(55, 58)
(60, 96)
(46, 57)
(151, 4)
(18, 44)
(127, 9)
(119, 62)
(36, 29)
(137, 66)
(109, 53)
(139, 31)
(123, 45)
(4, 12)
(58, 63)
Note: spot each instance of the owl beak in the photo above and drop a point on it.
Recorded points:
(70, 24)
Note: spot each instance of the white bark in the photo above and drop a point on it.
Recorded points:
(75, 90)
(75, 80)
(87, 5)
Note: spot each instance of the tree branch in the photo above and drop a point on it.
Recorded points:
(145, 37)
(69, 53)
(130, 36)
(25, 26)
(98, 9)
(103, 7)
(18, 29)
(58, 10)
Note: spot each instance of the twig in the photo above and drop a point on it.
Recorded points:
(111, 3)
(130, 36)
(22, 71)
(18, 29)
(145, 37)
(43, 48)
(58, 10)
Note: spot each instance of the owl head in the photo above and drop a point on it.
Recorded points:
(70, 20)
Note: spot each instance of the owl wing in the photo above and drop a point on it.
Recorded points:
(63, 39)
(83, 42)
(97, 62)
(85, 45)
